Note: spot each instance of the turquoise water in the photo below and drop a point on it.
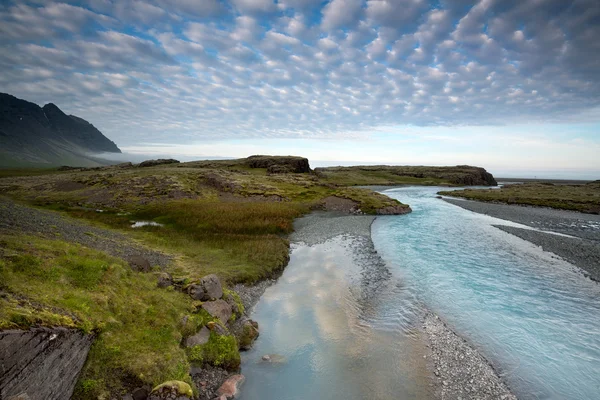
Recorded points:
(344, 329)
(533, 316)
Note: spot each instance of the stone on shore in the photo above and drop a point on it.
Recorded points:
(219, 309)
(231, 387)
(208, 288)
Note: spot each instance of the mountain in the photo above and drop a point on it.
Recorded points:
(31, 135)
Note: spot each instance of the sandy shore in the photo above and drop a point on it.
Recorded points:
(454, 368)
(581, 248)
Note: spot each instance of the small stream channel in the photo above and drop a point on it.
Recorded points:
(343, 324)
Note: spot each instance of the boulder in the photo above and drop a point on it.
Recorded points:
(248, 335)
(172, 390)
(139, 263)
(231, 387)
(208, 288)
(219, 309)
(273, 359)
(164, 280)
(199, 338)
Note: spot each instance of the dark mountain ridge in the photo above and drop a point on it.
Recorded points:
(31, 135)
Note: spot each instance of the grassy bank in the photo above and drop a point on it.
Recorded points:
(584, 198)
(55, 283)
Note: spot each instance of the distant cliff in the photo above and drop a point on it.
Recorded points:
(460, 175)
(31, 135)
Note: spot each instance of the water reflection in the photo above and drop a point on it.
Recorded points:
(325, 316)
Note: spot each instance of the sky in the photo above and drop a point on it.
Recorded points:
(509, 85)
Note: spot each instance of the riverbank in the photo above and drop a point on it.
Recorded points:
(440, 363)
(581, 248)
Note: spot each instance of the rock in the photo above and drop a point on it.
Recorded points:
(231, 387)
(172, 390)
(438, 197)
(41, 363)
(274, 358)
(248, 335)
(208, 288)
(217, 328)
(138, 263)
(141, 393)
(218, 309)
(161, 161)
(394, 210)
(164, 280)
(199, 338)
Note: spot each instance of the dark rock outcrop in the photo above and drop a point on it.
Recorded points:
(42, 363)
(160, 161)
(279, 164)
(394, 210)
(46, 136)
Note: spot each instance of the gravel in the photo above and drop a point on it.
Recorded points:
(583, 253)
(585, 226)
(581, 250)
(460, 371)
(17, 218)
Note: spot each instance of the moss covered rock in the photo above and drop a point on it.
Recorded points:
(220, 351)
(248, 334)
(172, 390)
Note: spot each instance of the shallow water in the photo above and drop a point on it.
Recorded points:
(328, 320)
(535, 317)
(344, 322)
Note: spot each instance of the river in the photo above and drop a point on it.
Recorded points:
(343, 327)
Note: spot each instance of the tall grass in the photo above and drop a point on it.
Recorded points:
(241, 242)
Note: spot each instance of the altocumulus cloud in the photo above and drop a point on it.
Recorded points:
(184, 70)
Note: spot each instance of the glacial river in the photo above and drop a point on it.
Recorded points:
(344, 328)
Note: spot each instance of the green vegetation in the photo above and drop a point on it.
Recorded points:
(584, 198)
(221, 351)
(51, 282)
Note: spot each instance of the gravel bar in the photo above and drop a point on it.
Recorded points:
(583, 253)
(460, 371)
(585, 226)
(581, 250)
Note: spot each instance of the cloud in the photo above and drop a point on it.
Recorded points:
(197, 70)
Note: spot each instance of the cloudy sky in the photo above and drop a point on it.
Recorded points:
(511, 85)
